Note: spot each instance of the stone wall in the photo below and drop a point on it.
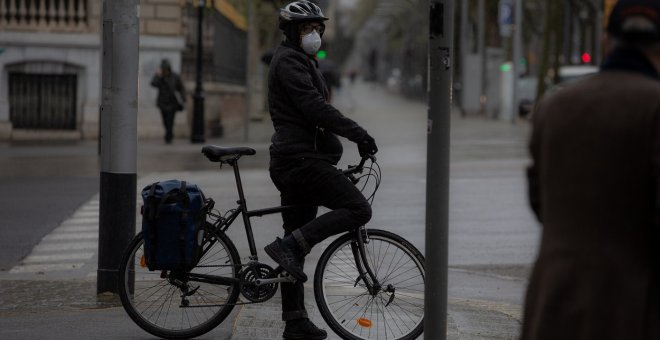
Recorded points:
(161, 17)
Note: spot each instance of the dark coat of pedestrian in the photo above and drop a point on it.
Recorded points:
(171, 96)
(595, 186)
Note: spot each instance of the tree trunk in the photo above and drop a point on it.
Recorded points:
(552, 50)
(558, 29)
(545, 53)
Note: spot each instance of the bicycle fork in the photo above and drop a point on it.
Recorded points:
(367, 274)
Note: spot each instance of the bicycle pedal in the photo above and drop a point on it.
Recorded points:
(288, 277)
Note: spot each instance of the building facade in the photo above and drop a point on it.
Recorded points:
(50, 72)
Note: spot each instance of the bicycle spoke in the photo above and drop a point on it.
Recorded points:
(390, 265)
(356, 299)
(398, 283)
(396, 314)
(404, 311)
(342, 275)
(359, 311)
(156, 304)
(393, 315)
(350, 297)
(403, 254)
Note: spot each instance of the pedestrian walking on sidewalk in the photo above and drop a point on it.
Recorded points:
(171, 96)
(304, 152)
(595, 186)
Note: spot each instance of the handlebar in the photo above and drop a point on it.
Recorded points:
(357, 169)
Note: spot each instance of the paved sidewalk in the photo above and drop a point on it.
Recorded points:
(493, 237)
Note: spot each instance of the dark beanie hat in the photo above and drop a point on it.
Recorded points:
(165, 64)
(621, 23)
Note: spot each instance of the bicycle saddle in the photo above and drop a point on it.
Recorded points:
(222, 154)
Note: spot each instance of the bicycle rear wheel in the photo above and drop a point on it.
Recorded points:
(395, 310)
(168, 304)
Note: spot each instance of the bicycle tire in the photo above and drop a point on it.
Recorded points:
(155, 303)
(345, 302)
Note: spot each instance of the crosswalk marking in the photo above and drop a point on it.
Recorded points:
(60, 246)
(70, 247)
(41, 268)
(72, 236)
(87, 214)
(85, 220)
(58, 257)
(78, 228)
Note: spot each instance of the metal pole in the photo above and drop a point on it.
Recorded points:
(197, 134)
(465, 46)
(517, 56)
(441, 30)
(481, 46)
(599, 35)
(120, 36)
(251, 68)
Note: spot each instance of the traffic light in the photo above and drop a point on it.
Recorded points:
(586, 58)
(321, 54)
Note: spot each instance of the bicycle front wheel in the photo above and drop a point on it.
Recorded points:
(172, 305)
(393, 310)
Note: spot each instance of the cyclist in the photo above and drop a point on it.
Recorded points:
(304, 152)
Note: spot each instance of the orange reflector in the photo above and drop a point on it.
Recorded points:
(143, 262)
(364, 322)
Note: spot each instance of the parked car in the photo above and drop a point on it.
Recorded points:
(567, 75)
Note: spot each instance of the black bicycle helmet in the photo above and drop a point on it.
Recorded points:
(300, 11)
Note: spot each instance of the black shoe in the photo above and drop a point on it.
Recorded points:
(286, 258)
(303, 329)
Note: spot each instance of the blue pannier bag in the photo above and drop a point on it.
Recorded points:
(173, 217)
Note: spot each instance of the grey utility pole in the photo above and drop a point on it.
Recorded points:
(120, 38)
(441, 33)
(517, 56)
(481, 47)
(197, 131)
(252, 67)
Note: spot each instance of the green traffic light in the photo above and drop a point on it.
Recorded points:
(322, 54)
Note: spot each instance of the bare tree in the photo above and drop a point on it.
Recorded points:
(551, 51)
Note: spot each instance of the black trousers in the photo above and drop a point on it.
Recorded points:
(168, 123)
(312, 183)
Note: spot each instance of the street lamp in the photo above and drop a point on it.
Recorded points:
(197, 134)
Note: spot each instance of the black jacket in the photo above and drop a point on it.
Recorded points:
(305, 124)
(168, 86)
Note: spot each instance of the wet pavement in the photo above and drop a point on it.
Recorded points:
(493, 236)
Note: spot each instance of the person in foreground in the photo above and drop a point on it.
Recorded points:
(595, 186)
(304, 152)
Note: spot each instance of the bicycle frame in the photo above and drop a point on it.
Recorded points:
(247, 214)
(359, 252)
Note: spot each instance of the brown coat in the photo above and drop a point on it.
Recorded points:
(594, 185)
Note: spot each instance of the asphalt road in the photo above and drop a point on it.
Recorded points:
(42, 184)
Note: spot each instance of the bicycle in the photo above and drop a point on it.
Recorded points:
(368, 283)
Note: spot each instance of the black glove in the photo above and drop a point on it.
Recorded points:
(367, 146)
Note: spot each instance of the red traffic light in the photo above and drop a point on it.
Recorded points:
(586, 57)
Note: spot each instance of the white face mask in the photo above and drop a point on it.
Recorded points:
(311, 43)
